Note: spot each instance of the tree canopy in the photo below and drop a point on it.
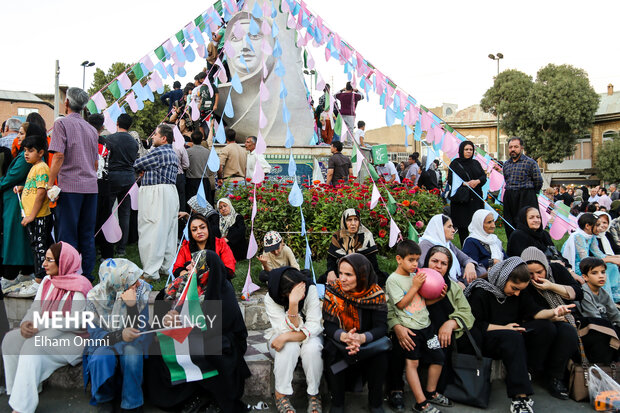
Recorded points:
(550, 113)
(144, 121)
(607, 161)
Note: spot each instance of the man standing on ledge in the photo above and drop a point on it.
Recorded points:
(523, 182)
(157, 216)
(254, 159)
(74, 144)
(339, 166)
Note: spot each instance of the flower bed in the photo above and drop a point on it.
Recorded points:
(323, 206)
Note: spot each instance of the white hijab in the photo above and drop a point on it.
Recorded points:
(476, 231)
(607, 249)
(436, 235)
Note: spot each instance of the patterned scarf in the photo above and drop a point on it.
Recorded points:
(202, 269)
(342, 307)
(496, 279)
(229, 220)
(343, 243)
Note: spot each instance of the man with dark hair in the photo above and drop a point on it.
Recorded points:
(198, 156)
(157, 217)
(339, 166)
(74, 143)
(207, 97)
(523, 182)
(565, 197)
(603, 199)
(413, 170)
(174, 95)
(233, 160)
(359, 133)
(123, 151)
(348, 98)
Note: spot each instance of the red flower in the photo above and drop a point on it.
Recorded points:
(360, 205)
(383, 223)
(411, 212)
(248, 179)
(238, 198)
(323, 229)
(406, 203)
(382, 233)
(273, 199)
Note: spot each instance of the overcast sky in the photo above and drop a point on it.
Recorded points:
(435, 50)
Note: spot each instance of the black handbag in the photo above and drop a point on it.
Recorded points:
(366, 351)
(471, 383)
(462, 194)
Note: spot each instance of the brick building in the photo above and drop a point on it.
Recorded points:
(20, 104)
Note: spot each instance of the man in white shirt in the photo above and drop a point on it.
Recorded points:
(254, 158)
(603, 199)
(387, 171)
(359, 133)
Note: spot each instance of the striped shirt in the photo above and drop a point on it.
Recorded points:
(160, 166)
(523, 173)
(78, 141)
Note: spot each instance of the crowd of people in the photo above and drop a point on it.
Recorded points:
(525, 302)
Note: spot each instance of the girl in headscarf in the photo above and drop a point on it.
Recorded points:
(119, 304)
(294, 311)
(27, 364)
(201, 236)
(232, 228)
(352, 237)
(510, 322)
(354, 314)
(440, 231)
(552, 286)
(226, 388)
(482, 245)
(530, 233)
(472, 175)
(606, 242)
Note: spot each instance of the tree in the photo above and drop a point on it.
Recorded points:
(144, 121)
(550, 114)
(607, 161)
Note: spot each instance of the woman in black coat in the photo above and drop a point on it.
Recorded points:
(469, 170)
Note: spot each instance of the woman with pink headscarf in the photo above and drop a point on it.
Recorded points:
(34, 351)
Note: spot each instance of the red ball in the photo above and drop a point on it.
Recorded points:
(434, 284)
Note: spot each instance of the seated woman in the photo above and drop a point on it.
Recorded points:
(450, 313)
(353, 237)
(482, 245)
(500, 305)
(202, 236)
(355, 321)
(232, 229)
(226, 388)
(552, 286)
(294, 311)
(582, 243)
(530, 233)
(606, 242)
(440, 231)
(26, 363)
(115, 369)
(208, 211)
(277, 255)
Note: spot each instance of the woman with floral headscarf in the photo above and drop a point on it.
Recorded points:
(232, 228)
(510, 322)
(119, 300)
(352, 237)
(26, 363)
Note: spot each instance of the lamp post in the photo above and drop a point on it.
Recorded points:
(312, 74)
(498, 57)
(85, 64)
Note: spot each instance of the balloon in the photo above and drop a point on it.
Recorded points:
(432, 287)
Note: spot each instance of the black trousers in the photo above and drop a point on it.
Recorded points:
(549, 346)
(596, 345)
(509, 347)
(192, 185)
(40, 236)
(372, 369)
(514, 200)
(181, 192)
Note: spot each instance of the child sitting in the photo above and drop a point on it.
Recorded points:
(409, 309)
(596, 301)
(277, 255)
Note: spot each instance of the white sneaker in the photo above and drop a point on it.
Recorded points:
(9, 285)
(25, 278)
(522, 405)
(28, 289)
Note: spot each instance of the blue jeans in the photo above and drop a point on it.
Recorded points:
(106, 379)
(76, 215)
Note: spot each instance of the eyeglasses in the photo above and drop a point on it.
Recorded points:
(50, 259)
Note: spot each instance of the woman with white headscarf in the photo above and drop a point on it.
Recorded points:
(483, 245)
(232, 228)
(606, 242)
(440, 231)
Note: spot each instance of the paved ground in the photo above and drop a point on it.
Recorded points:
(69, 401)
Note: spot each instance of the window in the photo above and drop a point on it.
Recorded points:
(449, 111)
(610, 135)
(583, 149)
(26, 111)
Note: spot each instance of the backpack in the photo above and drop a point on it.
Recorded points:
(206, 100)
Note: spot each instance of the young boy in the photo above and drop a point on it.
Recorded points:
(407, 308)
(596, 301)
(360, 132)
(38, 218)
(277, 254)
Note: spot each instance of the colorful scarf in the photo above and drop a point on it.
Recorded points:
(343, 243)
(342, 307)
(229, 220)
(202, 269)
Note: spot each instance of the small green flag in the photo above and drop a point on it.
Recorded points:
(218, 6)
(354, 153)
(160, 53)
(199, 20)
(338, 125)
(391, 203)
(137, 70)
(181, 37)
(92, 107)
(372, 171)
(202, 26)
(412, 234)
(115, 90)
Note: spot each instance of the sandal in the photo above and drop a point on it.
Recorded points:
(439, 399)
(283, 404)
(314, 404)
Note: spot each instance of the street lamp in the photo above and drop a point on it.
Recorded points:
(85, 64)
(312, 74)
(498, 57)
